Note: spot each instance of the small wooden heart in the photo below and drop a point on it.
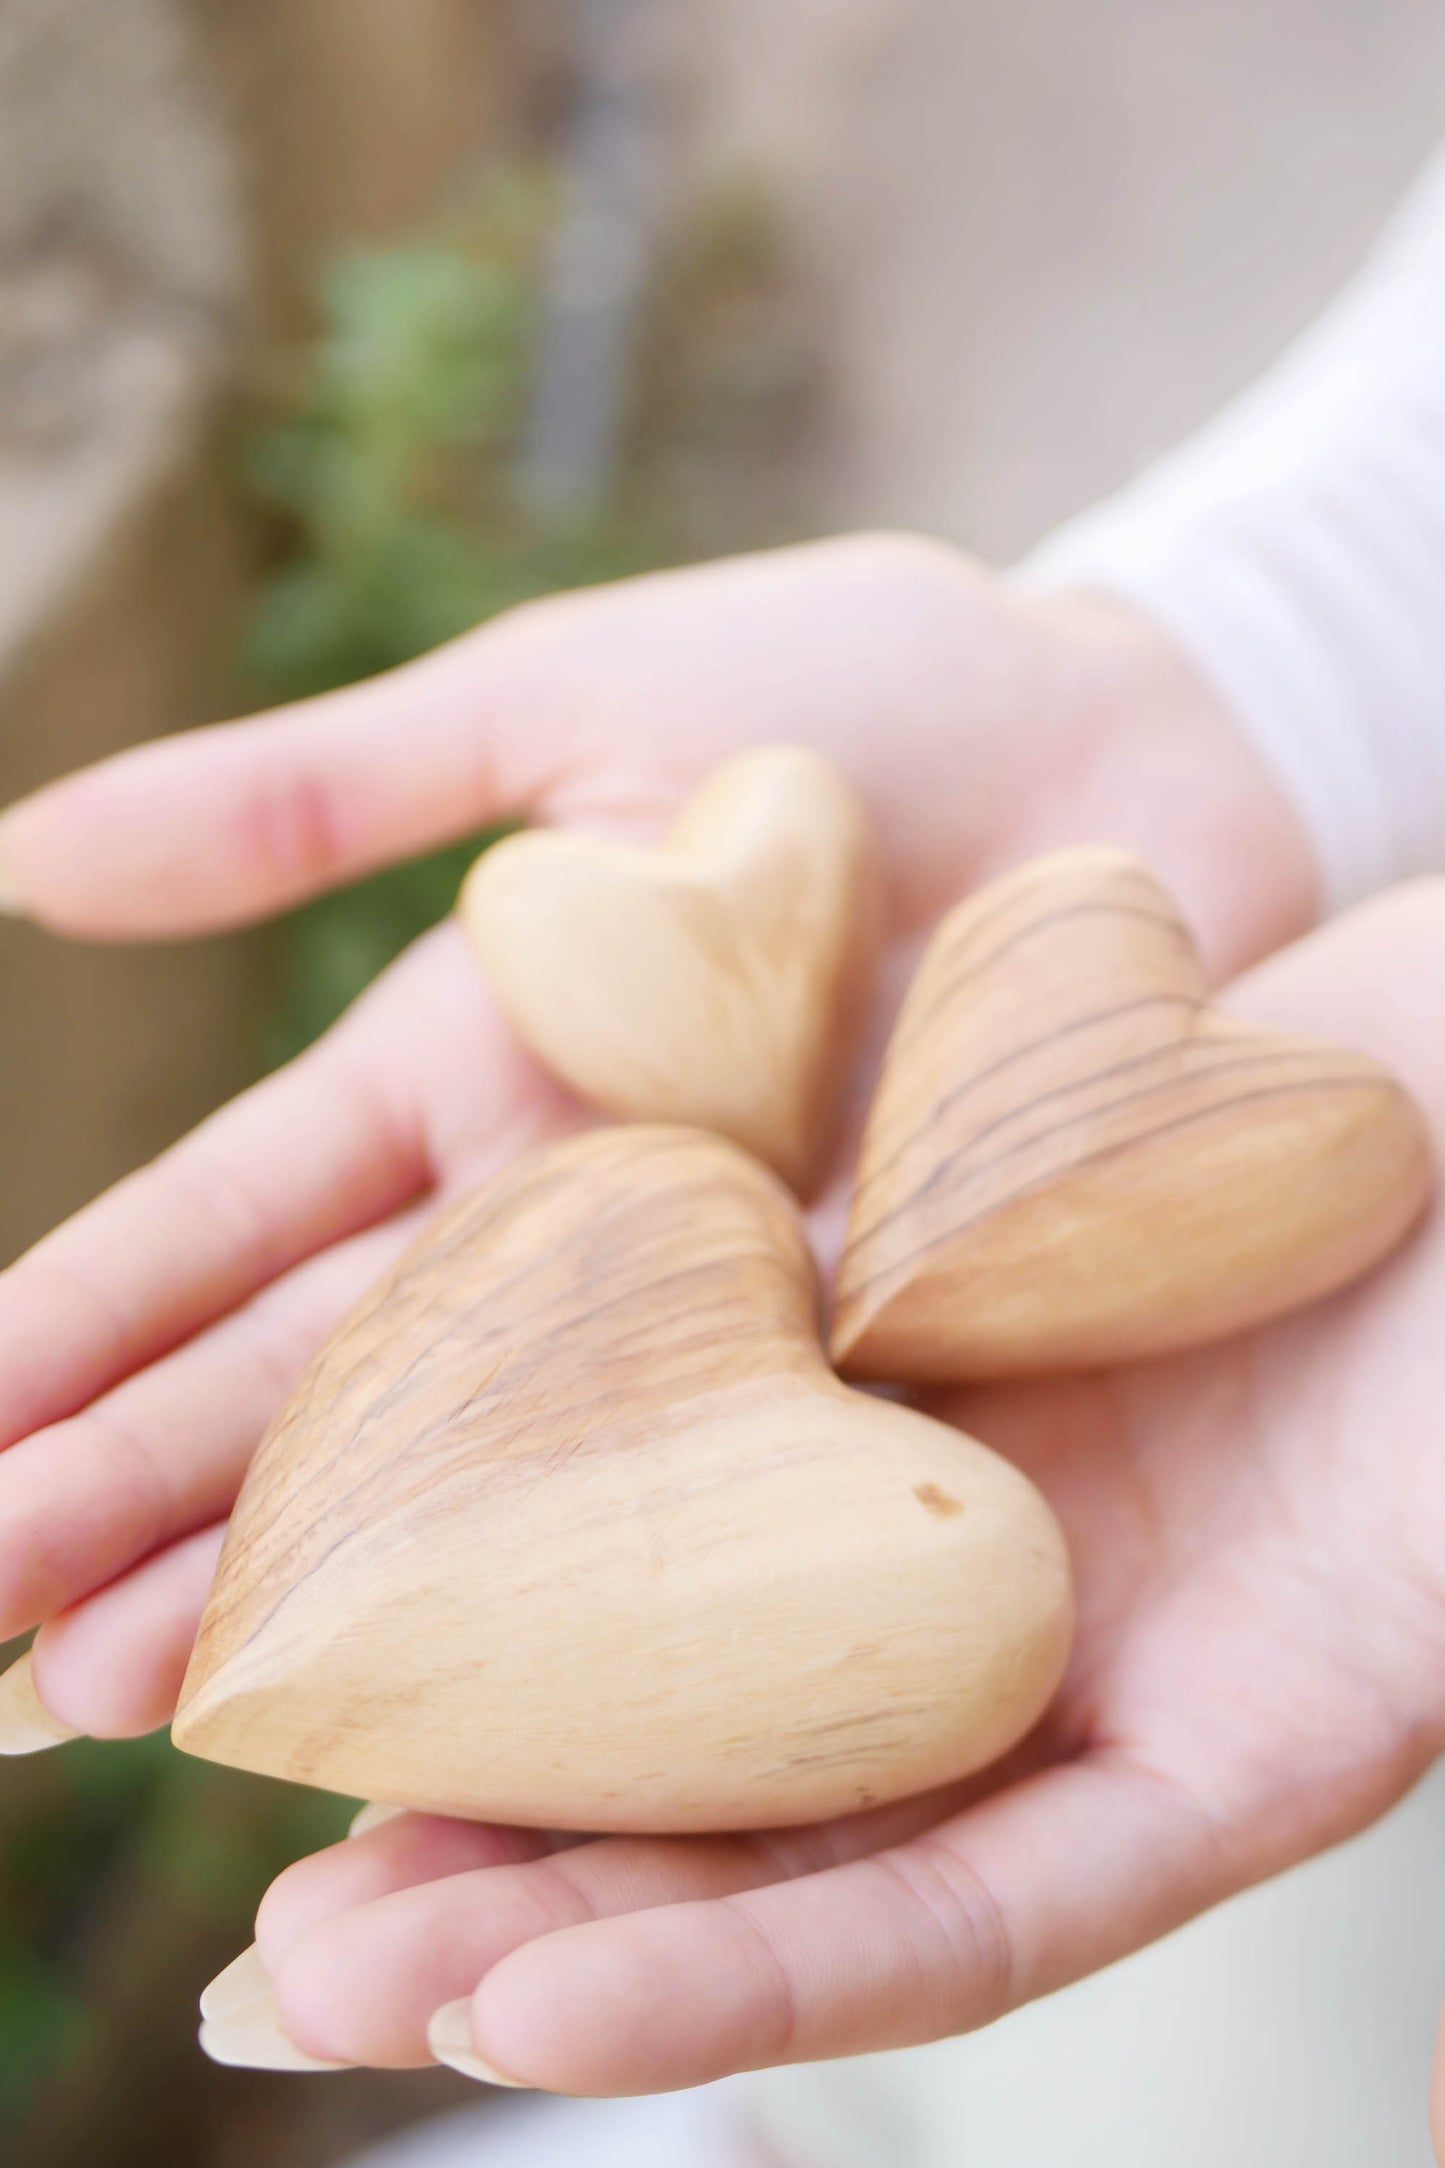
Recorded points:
(572, 1525)
(717, 981)
(1074, 1160)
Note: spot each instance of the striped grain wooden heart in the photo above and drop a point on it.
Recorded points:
(1074, 1159)
(571, 1524)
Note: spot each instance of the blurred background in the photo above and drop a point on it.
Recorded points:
(328, 327)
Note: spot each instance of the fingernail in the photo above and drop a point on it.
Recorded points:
(373, 1817)
(242, 1985)
(250, 2042)
(26, 1725)
(449, 2036)
(242, 2025)
(9, 893)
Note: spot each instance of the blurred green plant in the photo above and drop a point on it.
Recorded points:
(388, 471)
(395, 468)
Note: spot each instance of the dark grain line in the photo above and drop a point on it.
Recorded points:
(859, 1287)
(1201, 1071)
(960, 1091)
(922, 1019)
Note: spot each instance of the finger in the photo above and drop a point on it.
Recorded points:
(301, 1161)
(164, 1454)
(228, 823)
(542, 709)
(346, 1135)
(242, 2021)
(367, 1979)
(363, 1952)
(1031, 1890)
(112, 1667)
(401, 1854)
(1370, 977)
(110, 1662)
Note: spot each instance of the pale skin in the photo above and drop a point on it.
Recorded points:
(1257, 1530)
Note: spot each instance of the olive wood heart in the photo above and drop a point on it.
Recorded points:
(719, 980)
(1072, 1159)
(571, 1524)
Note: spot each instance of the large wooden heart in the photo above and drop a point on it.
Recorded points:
(572, 1525)
(717, 981)
(1073, 1159)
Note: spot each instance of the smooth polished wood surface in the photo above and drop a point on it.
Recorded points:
(571, 1524)
(717, 981)
(1073, 1159)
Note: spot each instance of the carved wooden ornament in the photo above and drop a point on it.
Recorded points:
(1073, 1159)
(572, 1525)
(718, 980)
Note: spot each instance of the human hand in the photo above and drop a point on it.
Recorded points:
(1258, 1532)
(145, 1345)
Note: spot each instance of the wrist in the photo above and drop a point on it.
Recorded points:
(1144, 752)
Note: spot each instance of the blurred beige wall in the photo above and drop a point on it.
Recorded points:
(354, 121)
(1050, 238)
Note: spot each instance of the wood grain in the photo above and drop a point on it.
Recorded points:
(718, 981)
(572, 1525)
(1073, 1159)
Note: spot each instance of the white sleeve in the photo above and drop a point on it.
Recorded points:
(1296, 551)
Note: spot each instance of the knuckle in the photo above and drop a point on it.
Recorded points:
(290, 824)
(211, 1189)
(973, 1955)
(773, 2007)
(556, 1894)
